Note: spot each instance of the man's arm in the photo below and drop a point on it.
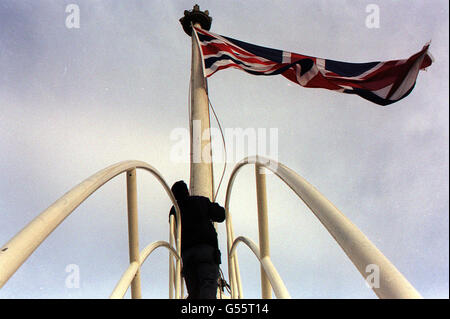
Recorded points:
(216, 212)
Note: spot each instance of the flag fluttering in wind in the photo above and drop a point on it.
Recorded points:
(380, 82)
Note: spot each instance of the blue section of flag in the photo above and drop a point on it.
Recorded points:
(349, 69)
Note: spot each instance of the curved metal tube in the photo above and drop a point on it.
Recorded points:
(361, 251)
(275, 280)
(150, 248)
(14, 253)
(125, 281)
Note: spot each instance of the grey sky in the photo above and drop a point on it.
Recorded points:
(73, 101)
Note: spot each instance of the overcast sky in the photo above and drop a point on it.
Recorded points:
(75, 100)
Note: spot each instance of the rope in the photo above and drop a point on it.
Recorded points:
(223, 284)
(224, 148)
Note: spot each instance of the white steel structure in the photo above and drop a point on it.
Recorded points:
(354, 243)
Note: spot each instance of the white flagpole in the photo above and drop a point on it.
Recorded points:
(201, 166)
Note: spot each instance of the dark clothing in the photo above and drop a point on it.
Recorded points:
(197, 215)
(199, 247)
(200, 272)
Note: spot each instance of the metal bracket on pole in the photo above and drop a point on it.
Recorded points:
(195, 16)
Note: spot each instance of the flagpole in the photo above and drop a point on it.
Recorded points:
(201, 166)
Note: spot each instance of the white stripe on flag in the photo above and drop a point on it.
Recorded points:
(409, 79)
(286, 57)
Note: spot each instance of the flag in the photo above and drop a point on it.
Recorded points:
(380, 82)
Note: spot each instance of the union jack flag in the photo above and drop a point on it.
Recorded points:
(380, 82)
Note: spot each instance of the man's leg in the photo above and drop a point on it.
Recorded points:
(190, 277)
(208, 274)
(202, 272)
(190, 273)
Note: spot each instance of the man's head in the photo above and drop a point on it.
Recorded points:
(180, 190)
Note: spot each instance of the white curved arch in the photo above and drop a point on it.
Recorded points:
(275, 280)
(14, 253)
(361, 251)
(125, 281)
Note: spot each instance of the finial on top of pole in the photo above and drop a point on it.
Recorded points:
(195, 16)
